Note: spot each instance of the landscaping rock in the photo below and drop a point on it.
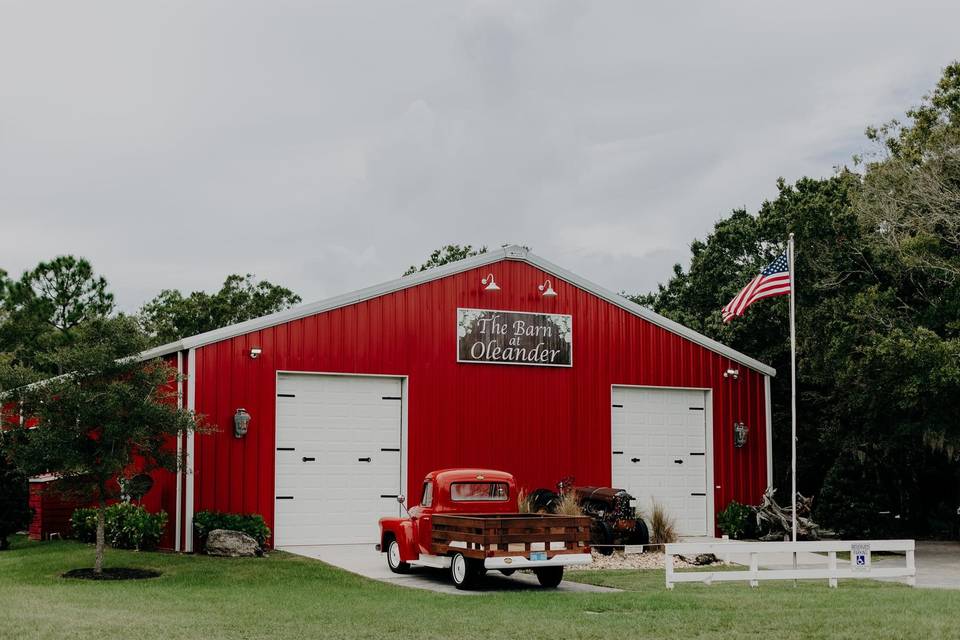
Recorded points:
(232, 544)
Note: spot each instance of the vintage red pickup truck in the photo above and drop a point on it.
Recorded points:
(468, 522)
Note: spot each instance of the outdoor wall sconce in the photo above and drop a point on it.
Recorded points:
(241, 422)
(546, 290)
(490, 282)
(740, 432)
(732, 373)
(255, 352)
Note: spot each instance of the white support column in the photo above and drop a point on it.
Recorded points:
(191, 447)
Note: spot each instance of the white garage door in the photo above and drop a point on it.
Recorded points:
(338, 457)
(659, 452)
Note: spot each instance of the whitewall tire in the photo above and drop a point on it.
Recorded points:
(393, 558)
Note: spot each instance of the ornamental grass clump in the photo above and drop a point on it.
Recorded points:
(663, 528)
(568, 505)
(524, 504)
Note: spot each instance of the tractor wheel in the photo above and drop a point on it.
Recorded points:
(601, 537)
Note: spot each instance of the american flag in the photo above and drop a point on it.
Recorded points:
(774, 280)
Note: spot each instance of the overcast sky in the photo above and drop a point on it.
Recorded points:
(326, 146)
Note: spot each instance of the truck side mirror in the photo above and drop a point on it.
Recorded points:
(401, 499)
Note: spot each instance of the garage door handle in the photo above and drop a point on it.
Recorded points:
(306, 459)
(363, 459)
(678, 461)
(634, 459)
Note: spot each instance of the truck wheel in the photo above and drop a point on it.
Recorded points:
(462, 571)
(393, 558)
(549, 577)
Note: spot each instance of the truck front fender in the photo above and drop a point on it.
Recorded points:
(404, 531)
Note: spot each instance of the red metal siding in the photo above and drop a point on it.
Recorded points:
(540, 423)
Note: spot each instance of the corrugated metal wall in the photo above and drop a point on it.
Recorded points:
(540, 423)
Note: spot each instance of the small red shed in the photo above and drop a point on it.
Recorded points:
(502, 361)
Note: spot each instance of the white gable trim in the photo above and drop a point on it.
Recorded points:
(422, 277)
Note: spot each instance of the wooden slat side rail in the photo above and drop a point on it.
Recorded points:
(478, 535)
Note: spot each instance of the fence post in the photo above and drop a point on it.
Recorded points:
(832, 555)
(669, 558)
(912, 568)
(755, 568)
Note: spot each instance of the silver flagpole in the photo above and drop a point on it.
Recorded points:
(793, 391)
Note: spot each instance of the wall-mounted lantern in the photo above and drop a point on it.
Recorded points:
(241, 422)
(255, 352)
(740, 432)
(491, 284)
(546, 290)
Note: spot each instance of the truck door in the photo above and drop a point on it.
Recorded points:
(424, 520)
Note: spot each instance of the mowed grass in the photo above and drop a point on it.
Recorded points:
(285, 596)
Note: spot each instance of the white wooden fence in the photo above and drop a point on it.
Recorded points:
(859, 566)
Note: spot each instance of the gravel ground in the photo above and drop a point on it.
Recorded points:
(619, 560)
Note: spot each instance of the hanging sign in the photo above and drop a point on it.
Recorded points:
(514, 337)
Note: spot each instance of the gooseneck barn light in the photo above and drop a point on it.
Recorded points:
(490, 282)
(241, 422)
(732, 373)
(255, 352)
(546, 290)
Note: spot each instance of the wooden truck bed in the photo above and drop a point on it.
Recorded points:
(506, 534)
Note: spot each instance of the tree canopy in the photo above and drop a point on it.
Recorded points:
(171, 315)
(445, 255)
(45, 306)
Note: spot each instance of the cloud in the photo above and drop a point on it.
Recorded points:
(328, 146)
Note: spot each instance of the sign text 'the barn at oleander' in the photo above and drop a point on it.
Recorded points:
(514, 337)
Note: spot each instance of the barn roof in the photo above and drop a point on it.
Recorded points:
(512, 252)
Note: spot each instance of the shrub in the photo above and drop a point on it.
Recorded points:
(251, 524)
(83, 525)
(126, 526)
(663, 528)
(737, 521)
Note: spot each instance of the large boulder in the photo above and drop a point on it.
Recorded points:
(232, 544)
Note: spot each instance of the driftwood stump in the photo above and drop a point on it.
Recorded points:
(779, 520)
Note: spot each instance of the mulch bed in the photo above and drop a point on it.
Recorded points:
(112, 573)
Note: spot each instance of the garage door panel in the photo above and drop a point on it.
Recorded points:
(340, 421)
(657, 430)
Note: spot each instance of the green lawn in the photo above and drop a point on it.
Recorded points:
(289, 597)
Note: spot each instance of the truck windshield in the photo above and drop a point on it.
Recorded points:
(486, 491)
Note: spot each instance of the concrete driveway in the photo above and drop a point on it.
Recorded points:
(366, 561)
(938, 564)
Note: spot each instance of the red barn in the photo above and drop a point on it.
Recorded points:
(503, 360)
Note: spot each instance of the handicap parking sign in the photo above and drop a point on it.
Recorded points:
(860, 557)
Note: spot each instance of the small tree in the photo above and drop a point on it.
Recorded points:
(15, 510)
(113, 415)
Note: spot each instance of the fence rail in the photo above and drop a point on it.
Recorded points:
(860, 565)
